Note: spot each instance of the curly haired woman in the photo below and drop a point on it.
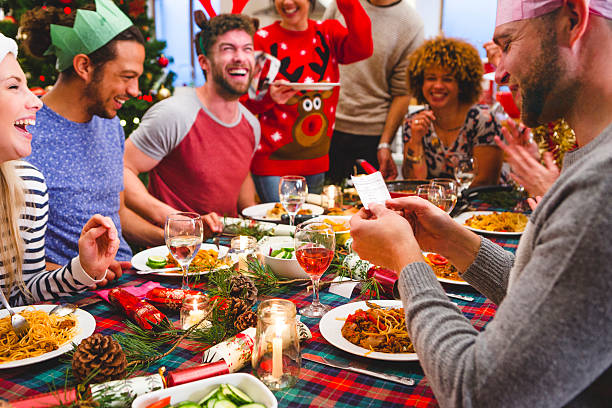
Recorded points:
(445, 73)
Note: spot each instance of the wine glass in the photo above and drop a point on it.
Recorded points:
(314, 250)
(184, 233)
(434, 193)
(451, 190)
(292, 191)
(465, 171)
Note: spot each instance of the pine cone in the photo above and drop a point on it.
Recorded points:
(242, 287)
(236, 307)
(99, 351)
(246, 320)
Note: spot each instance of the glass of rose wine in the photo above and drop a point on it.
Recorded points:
(314, 249)
(292, 192)
(184, 233)
(451, 190)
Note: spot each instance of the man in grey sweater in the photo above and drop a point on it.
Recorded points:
(549, 344)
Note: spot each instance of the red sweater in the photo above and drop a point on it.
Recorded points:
(295, 137)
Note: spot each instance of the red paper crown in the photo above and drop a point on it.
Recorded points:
(237, 7)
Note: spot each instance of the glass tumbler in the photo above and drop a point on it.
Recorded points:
(276, 356)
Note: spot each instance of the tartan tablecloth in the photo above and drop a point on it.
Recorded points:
(318, 385)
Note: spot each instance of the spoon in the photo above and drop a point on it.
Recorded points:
(20, 325)
(63, 309)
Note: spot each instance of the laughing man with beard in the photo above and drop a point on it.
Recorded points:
(197, 145)
(78, 141)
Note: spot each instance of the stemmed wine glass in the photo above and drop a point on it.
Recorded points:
(315, 243)
(184, 233)
(434, 193)
(451, 190)
(465, 171)
(292, 191)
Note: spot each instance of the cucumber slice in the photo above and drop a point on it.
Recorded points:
(253, 405)
(187, 404)
(235, 394)
(210, 403)
(225, 404)
(209, 396)
(156, 262)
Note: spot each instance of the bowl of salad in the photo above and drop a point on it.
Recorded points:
(280, 257)
(238, 390)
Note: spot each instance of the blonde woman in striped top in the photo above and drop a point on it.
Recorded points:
(24, 206)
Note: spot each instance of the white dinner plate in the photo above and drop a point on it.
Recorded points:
(445, 280)
(331, 329)
(310, 86)
(462, 218)
(139, 261)
(259, 211)
(86, 324)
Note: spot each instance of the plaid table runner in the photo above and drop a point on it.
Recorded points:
(318, 386)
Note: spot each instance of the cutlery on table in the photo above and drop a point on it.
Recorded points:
(350, 367)
(20, 325)
(146, 271)
(460, 297)
(63, 309)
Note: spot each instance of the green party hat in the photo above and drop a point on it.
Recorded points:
(91, 31)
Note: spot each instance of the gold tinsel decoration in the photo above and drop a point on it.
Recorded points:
(556, 137)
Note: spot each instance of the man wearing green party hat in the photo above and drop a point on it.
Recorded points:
(77, 141)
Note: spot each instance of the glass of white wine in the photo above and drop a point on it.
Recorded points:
(434, 193)
(465, 171)
(184, 233)
(292, 192)
(451, 190)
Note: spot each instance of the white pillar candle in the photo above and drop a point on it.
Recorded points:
(277, 355)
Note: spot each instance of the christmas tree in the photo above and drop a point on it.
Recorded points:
(155, 82)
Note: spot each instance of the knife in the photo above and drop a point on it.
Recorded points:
(349, 367)
(460, 297)
(146, 271)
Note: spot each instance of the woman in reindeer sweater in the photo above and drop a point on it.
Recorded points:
(296, 127)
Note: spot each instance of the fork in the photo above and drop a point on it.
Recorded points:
(20, 325)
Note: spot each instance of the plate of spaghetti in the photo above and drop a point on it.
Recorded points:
(204, 261)
(493, 223)
(378, 332)
(444, 270)
(49, 336)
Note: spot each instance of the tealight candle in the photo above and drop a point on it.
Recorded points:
(193, 310)
(332, 196)
(243, 246)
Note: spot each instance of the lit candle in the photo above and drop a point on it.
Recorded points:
(194, 309)
(242, 257)
(332, 196)
(242, 246)
(193, 318)
(277, 353)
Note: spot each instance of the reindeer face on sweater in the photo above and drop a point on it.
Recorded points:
(309, 132)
